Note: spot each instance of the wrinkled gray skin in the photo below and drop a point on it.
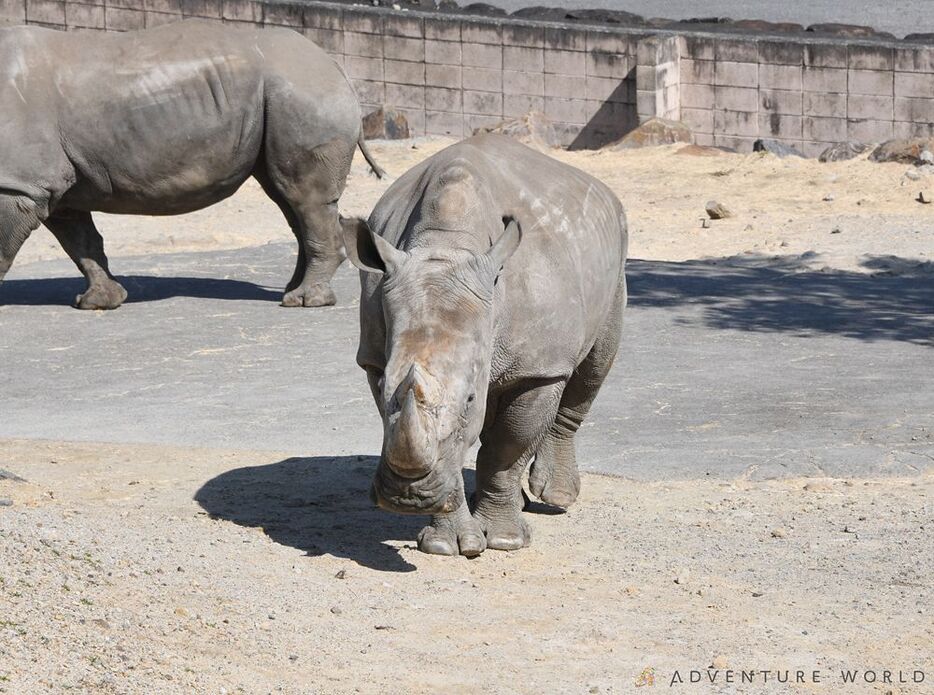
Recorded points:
(167, 121)
(492, 296)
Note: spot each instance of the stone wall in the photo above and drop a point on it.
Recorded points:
(450, 74)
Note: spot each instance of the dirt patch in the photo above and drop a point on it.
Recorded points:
(142, 569)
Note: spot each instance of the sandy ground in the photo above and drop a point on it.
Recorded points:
(137, 569)
(779, 208)
(145, 569)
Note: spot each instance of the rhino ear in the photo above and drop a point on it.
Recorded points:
(369, 251)
(506, 245)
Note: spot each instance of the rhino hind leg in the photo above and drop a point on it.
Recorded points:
(82, 242)
(19, 217)
(554, 477)
(507, 444)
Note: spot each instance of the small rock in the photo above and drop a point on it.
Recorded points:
(705, 223)
(757, 594)
(720, 662)
(534, 128)
(847, 529)
(181, 612)
(6, 502)
(684, 576)
(7, 475)
(779, 149)
(926, 157)
(293, 657)
(385, 123)
(779, 533)
(717, 211)
(654, 132)
(829, 198)
(924, 197)
(913, 175)
(817, 486)
(336, 610)
(836, 230)
(631, 591)
(843, 151)
(903, 150)
(100, 622)
(383, 627)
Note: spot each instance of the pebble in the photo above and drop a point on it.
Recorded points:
(720, 662)
(779, 533)
(341, 574)
(912, 175)
(926, 156)
(924, 197)
(684, 576)
(6, 502)
(181, 612)
(828, 198)
(336, 610)
(717, 211)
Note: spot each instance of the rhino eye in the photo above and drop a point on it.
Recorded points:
(471, 398)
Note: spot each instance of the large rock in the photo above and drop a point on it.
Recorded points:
(655, 131)
(853, 31)
(533, 129)
(904, 151)
(385, 124)
(843, 151)
(779, 149)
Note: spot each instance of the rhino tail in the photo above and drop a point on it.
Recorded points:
(379, 171)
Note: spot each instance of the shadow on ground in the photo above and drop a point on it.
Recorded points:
(319, 505)
(140, 288)
(894, 301)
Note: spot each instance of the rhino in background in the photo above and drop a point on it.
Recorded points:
(167, 121)
(493, 289)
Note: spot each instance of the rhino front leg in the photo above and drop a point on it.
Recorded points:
(453, 534)
(79, 237)
(507, 444)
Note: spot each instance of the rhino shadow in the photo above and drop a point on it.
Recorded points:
(319, 505)
(141, 288)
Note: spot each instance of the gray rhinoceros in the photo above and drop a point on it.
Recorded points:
(493, 288)
(167, 121)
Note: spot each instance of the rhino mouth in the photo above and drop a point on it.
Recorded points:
(432, 493)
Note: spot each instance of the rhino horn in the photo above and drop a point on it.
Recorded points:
(411, 447)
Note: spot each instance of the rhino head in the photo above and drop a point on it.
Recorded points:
(437, 303)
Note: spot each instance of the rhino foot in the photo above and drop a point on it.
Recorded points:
(554, 478)
(310, 295)
(105, 295)
(509, 532)
(452, 534)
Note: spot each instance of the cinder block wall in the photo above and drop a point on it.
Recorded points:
(451, 74)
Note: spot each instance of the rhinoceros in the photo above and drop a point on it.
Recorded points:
(166, 121)
(491, 306)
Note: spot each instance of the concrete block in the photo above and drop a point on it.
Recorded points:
(482, 79)
(914, 84)
(84, 16)
(472, 121)
(416, 120)
(699, 48)
(481, 55)
(811, 148)
(403, 48)
(735, 142)
(364, 45)
(119, 19)
(666, 75)
(209, 9)
(442, 29)
(912, 130)
(734, 123)
(157, 19)
(781, 126)
(405, 26)
(736, 99)
(329, 40)
(522, 35)
(824, 129)
(608, 64)
(404, 72)
(780, 101)
(523, 58)
(443, 76)
(12, 12)
(697, 71)
(485, 31)
(370, 92)
(825, 55)
(246, 11)
(697, 96)
(869, 130)
(362, 21)
(780, 76)
(441, 99)
(442, 52)
(283, 14)
(566, 62)
(704, 139)
(565, 86)
(329, 18)
(50, 12)
(914, 110)
(870, 57)
(520, 104)
(735, 51)
(916, 59)
(698, 120)
(405, 96)
(167, 6)
(523, 83)
(444, 123)
(484, 103)
(875, 82)
(732, 74)
(861, 106)
(781, 53)
(364, 68)
(566, 110)
(609, 42)
(609, 89)
(824, 80)
(565, 38)
(645, 104)
(826, 105)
